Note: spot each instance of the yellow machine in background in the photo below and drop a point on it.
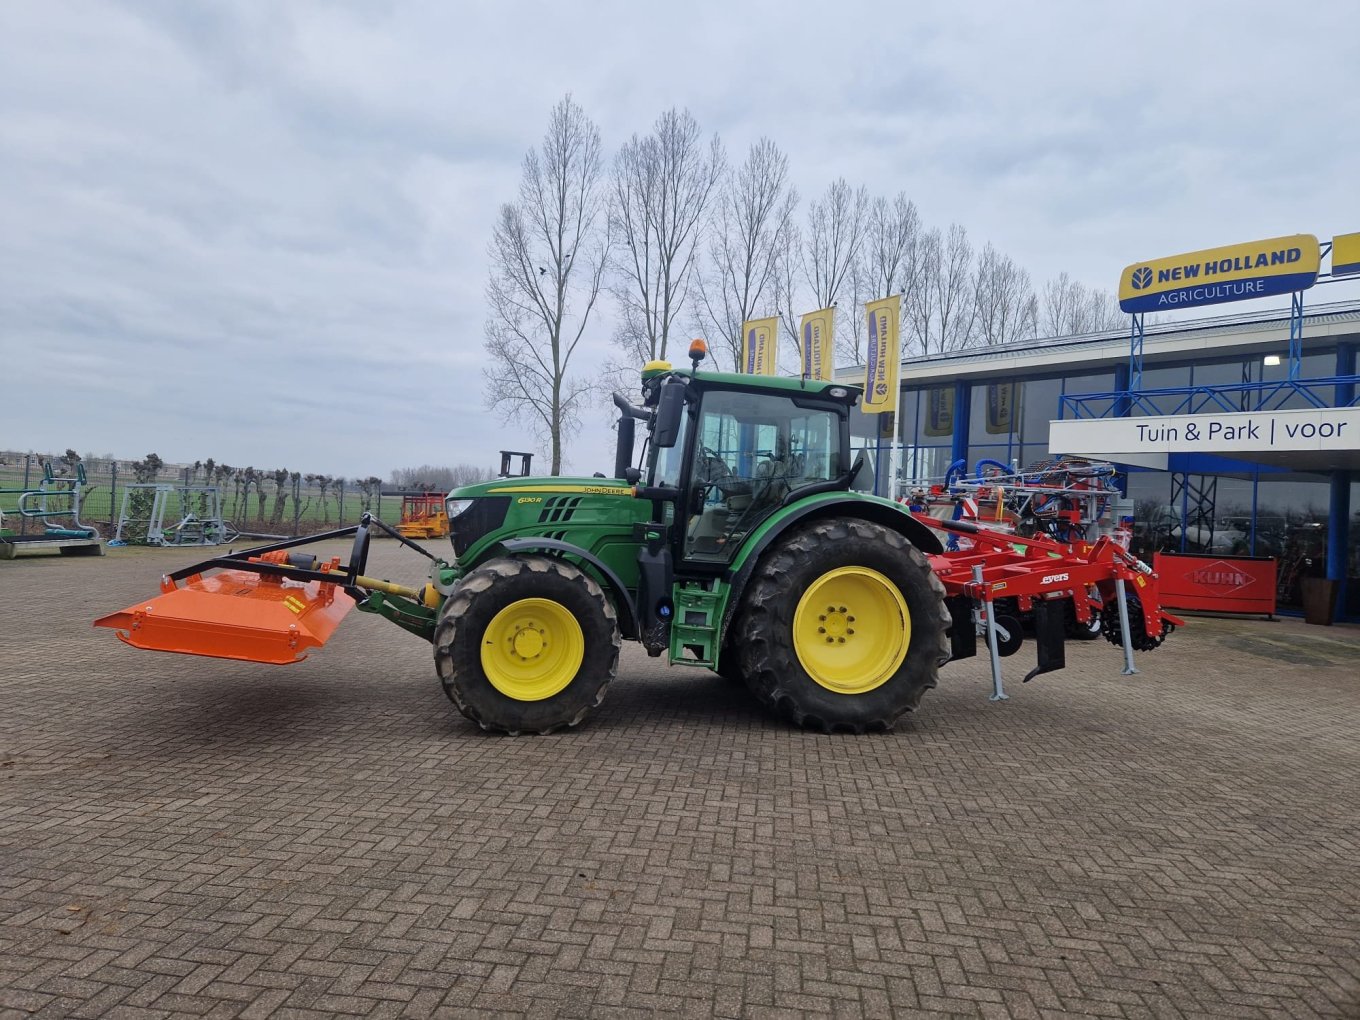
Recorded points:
(423, 515)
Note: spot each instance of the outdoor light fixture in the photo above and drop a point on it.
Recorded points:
(1272, 359)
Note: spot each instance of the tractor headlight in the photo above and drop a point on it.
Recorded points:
(454, 507)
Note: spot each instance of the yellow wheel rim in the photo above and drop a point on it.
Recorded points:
(532, 649)
(851, 630)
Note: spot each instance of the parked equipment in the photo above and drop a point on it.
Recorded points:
(423, 515)
(195, 513)
(740, 545)
(55, 504)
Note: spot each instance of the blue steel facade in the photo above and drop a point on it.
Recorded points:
(996, 405)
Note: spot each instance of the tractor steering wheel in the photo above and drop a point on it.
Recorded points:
(712, 472)
(713, 466)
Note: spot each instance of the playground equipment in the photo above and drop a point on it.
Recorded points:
(740, 544)
(55, 499)
(197, 509)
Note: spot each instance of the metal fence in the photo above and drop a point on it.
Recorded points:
(254, 505)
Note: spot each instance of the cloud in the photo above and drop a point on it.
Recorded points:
(258, 232)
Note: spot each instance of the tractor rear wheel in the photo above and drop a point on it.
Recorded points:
(526, 645)
(843, 627)
(729, 659)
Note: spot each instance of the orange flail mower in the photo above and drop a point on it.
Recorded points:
(277, 611)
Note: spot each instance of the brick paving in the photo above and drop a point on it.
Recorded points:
(189, 837)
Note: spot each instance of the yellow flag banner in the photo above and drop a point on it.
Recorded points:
(760, 346)
(940, 411)
(817, 330)
(1001, 401)
(880, 377)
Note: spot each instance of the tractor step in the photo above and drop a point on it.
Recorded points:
(695, 628)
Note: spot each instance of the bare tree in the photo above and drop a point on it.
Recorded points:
(548, 254)
(851, 331)
(891, 262)
(1004, 299)
(920, 299)
(444, 478)
(892, 237)
(1069, 307)
(662, 188)
(835, 233)
(955, 313)
(788, 276)
(750, 232)
(146, 469)
(1103, 312)
(370, 489)
(1061, 296)
(323, 483)
(281, 490)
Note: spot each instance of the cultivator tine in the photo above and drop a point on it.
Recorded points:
(235, 614)
(1050, 639)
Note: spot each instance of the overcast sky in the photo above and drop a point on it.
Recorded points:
(257, 231)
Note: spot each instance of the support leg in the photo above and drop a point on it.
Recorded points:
(998, 692)
(1129, 669)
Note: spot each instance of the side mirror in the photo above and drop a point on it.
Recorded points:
(670, 410)
(623, 450)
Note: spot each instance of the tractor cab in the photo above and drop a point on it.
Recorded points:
(726, 451)
(744, 454)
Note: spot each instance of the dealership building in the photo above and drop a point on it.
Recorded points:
(1236, 435)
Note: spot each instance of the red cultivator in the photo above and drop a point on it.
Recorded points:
(1065, 586)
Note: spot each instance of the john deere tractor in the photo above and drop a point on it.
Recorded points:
(735, 541)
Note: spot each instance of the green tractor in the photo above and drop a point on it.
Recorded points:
(740, 544)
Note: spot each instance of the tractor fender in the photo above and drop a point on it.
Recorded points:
(623, 602)
(879, 511)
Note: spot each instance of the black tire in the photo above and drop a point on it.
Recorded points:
(1015, 636)
(729, 660)
(769, 658)
(476, 603)
(1139, 637)
(1075, 629)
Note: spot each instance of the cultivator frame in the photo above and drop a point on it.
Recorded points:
(1048, 573)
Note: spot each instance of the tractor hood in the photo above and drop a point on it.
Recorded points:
(511, 507)
(519, 487)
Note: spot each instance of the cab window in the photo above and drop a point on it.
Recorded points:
(752, 451)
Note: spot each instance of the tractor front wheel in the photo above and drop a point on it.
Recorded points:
(843, 627)
(526, 645)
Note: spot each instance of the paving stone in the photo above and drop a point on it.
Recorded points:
(192, 837)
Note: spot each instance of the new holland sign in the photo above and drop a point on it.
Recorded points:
(1235, 273)
(1331, 429)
